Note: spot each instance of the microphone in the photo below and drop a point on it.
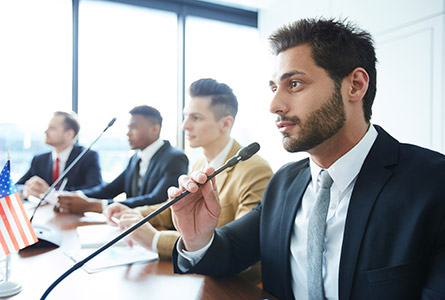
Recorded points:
(44, 234)
(244, 154)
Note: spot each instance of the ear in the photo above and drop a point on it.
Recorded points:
(358, 84)
(227, 123)
(69, 134)
(156, 129)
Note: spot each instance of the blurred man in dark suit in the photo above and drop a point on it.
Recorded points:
(61, 134)
(154, 167)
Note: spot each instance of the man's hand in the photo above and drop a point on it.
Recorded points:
(77, 203)
(35, 186)
(143, 235)
(196, 216)
(115, 211)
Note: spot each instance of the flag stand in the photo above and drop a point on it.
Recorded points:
(7, 287)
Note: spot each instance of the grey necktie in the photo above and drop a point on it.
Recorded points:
(315, 238)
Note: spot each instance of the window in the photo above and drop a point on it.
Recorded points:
(35, 75)
(230, 54)
(127, 57)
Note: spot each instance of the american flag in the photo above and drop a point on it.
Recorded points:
(16, 231)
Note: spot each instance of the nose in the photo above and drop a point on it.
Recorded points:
(185, 124)
(128, 132)
(279, 105)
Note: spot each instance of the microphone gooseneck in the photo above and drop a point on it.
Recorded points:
(244, 154)
(56, 182)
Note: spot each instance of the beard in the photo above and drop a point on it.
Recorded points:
(320, 125)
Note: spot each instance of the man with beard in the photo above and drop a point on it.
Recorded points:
(361, 218)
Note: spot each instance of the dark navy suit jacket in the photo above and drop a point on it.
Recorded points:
(166, 165)
(394, 239)
(85, 174)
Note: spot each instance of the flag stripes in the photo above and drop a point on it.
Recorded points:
(16, 231)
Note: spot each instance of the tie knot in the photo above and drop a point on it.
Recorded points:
(325, 179)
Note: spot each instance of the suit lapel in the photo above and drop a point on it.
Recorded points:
(128, 174)
(74, 152)
(370, 181)
(289, 210)
(156, 158)
(48, 167)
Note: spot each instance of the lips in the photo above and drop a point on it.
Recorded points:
(189, 137)
(285, 126)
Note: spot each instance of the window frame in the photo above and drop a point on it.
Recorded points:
(183, 9)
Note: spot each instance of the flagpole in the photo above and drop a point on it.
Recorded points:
(8, 259)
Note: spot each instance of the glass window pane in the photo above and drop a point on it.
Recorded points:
(127, 57)
(230, 53)
(35, 74)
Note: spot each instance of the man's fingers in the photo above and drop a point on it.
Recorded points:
(173, 192)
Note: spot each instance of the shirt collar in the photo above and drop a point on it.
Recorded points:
(146, 154)
(63, 156)
(220, 158)
(347, 167)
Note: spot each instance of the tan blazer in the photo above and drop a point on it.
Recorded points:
(240, 189)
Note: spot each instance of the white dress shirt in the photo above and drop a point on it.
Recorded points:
(220, 158)
(344, 174)
(146, 155)
(63, 158)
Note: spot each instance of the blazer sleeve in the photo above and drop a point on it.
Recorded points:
(166, 243)
(434, 287)
(175, 166)
(28, 174)
(234, 248)
(107, 191)
(164, 219)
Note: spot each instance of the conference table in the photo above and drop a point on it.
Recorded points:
(37, 269)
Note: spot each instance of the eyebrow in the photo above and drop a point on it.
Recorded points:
(192, 114)
(287, 75)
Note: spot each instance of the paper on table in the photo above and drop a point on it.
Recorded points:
(98, 235)
(113, 257)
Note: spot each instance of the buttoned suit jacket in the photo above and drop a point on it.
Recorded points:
(85, 174)
(166, 165)
(394, 238)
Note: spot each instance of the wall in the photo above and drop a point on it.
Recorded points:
(409, 41)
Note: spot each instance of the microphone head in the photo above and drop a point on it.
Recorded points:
(111, 122)
(247, 152)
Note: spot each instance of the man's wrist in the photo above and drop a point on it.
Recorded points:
(95, 205)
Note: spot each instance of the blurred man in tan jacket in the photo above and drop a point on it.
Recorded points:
(208, 120)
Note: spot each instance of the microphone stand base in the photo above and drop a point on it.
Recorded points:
(48, 237)
(9, 288)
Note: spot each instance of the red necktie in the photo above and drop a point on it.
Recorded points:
(56, 169)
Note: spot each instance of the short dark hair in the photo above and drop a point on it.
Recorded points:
(148, 112)
(337, 46)
(223, 100)
(70, 121)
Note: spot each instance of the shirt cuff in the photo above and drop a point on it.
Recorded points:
(154, 243)
(104, 205)
(189, 259)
